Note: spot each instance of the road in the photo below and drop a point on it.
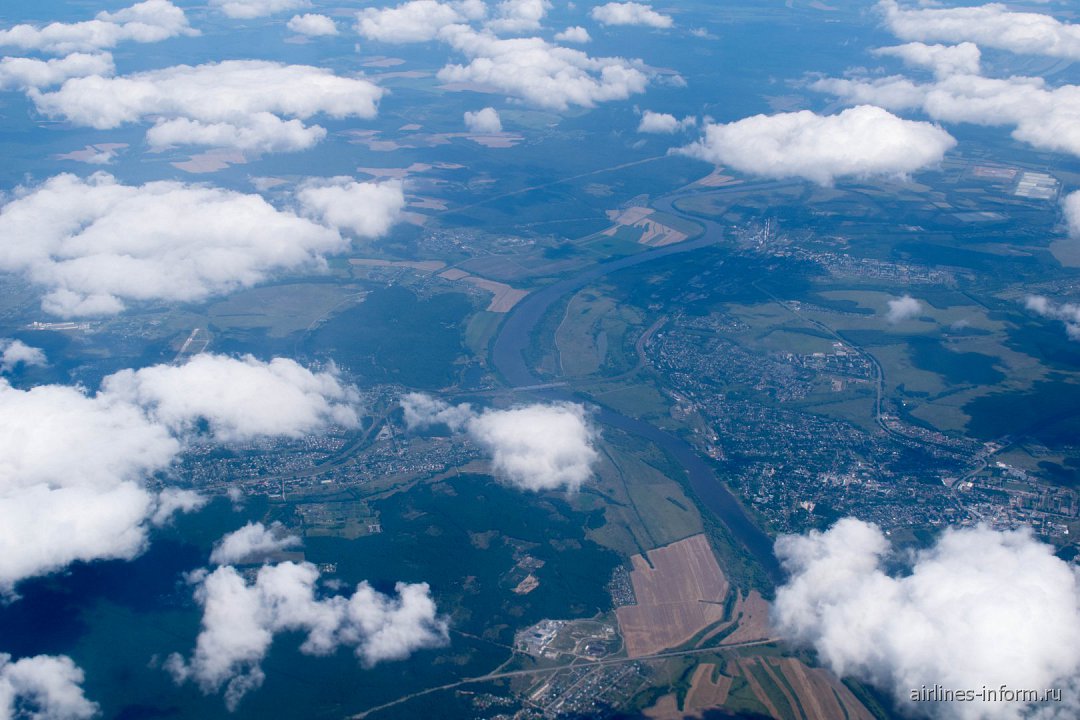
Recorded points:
(507, 357)
(549, 670)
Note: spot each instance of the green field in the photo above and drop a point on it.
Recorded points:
(281, 309)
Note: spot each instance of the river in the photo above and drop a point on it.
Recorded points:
(508, 358)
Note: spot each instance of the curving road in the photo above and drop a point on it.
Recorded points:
(508, 358)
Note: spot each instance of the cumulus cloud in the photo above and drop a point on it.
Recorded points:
(18, 73)
(260, 133)
(980, 608)
(415, 21)
(894, 92)
(943, 60)
(366, 210)
(87, 502)
(863, 141)
(239, 399)
(630, 13)
(1067, 313)
(992, 25)
(251, 543)
(903, 308)
(539, 447)
(484, 121)
(529, 68)
(92, 501)
(1042, 115)
(422, 411)
(15, 352)
(145, 22)
(534, 447)
(247, 104)
(1071, 206)
(172, 501)
(1045, 117)
(517, 16)
(312, 25)
(546, 75)
(44, 687)
(240, 621)
(95, 244)
(249, 9)
(663, 123)
(573, 34)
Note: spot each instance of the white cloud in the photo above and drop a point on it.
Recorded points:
(484, 121)
(1071, 206)
(260, 133)
(992, 25)
(23, 73)
(534, 447)
(893, 92)
(1067, 313)
(15, 352)
(313, 25)
(172, 501)
(663, 123)
(236, 103)
(944, 60)
(249, 9)
(85, 503)
(529, 68)
(539, 447)
(423, 411)
(145, 22)
(366, 210)
(630, 13)
(546, 75)
(91, 501)
(903, 308)
(980, 608)
(517, 16)
(863, 141)
(95, 244)
(1047, 118)
(573, 34)
(44, 687)
(415, 21)
(240, 621)
(252, 543)
(238, 398)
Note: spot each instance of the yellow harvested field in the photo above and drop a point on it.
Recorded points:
(680, 591)
(717, 178)
(818, 694)
(527, 585)
(453, 274)
(654, 234)
(657, 234)
(706, 693)
(665, 708)
(629, 216)
(818, 690)
(505, 297)
(752, 615)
